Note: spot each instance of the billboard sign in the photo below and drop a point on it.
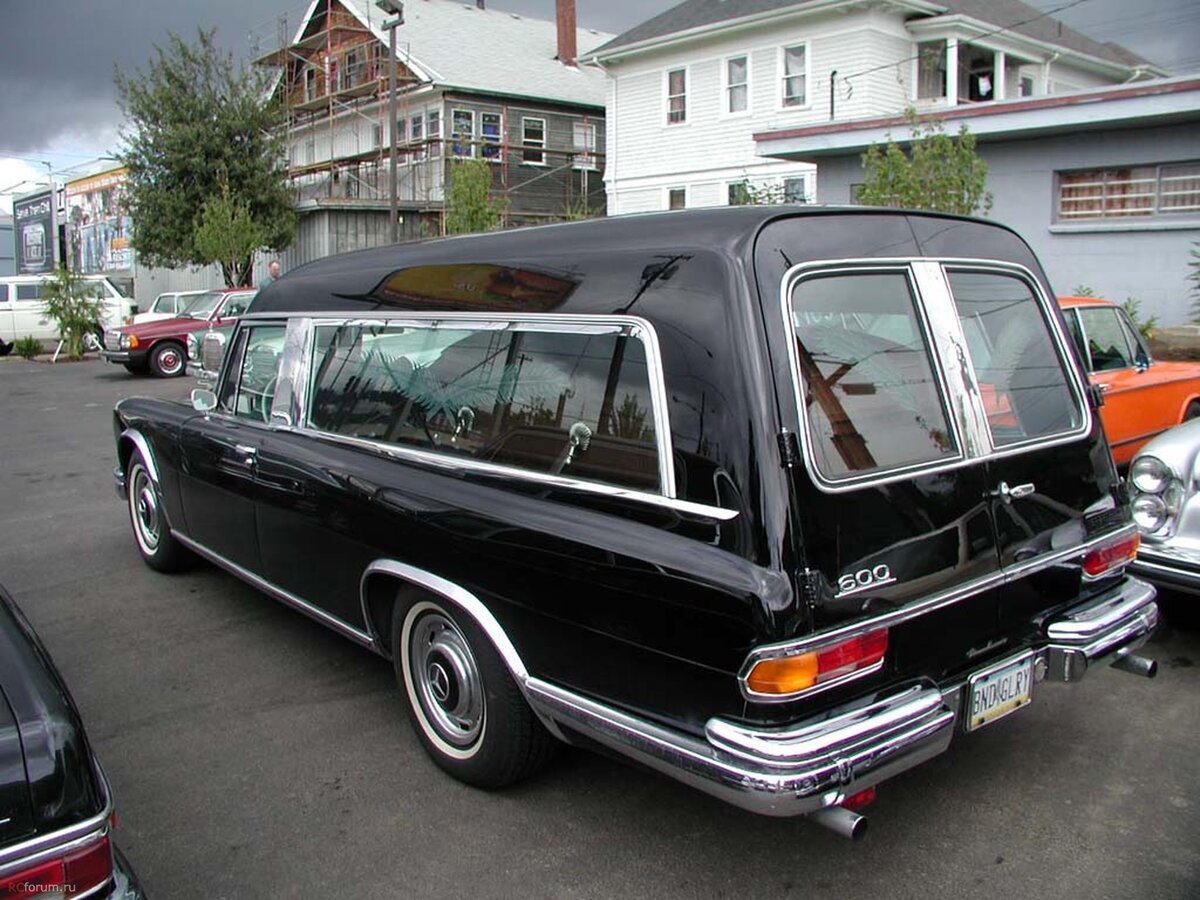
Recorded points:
(33, 233)
(98, 223)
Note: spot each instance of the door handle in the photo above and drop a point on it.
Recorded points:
(243, 456)
(1008, 494)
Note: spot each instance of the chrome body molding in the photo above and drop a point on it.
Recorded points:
(139, 440)
(915, 609)
(948, 344)
(313, 612)
(28, 853)
(455, 594)
(834, 757)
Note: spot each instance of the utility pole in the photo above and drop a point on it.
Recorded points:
(396, 9)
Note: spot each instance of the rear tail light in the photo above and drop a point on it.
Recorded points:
(1112, 556)
(70, 875)
(783, 676)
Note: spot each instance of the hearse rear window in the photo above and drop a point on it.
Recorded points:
(1020, 374)
(871, 397)
(550, 401)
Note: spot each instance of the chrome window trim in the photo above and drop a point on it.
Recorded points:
(456, 594)
(908, 613)
(552, 323)
(327, 619)
(945, 319)
(459, 465)
(286, 407)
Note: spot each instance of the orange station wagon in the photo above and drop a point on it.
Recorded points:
(1143, 397)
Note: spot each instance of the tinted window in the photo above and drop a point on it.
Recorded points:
(3, 293)
(29, 291)
(1108, 343)
(576, 405)
(249, 387)
(1019, 371)
(870, 396)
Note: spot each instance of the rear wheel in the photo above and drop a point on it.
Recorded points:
(168, 359)
(159, 548)
(1192, 411)
(467, 711)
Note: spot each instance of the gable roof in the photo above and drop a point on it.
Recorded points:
(1017, 17)
(454, 44)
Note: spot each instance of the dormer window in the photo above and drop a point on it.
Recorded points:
(931, 70)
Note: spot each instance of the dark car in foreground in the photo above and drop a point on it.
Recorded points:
(160, 347)
(775, 501)
(56, 806)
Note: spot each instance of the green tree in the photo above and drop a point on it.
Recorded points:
(227, 234)
(747, 193)
(470, 207)
(200, 128)
(937, 171)
(72, 303)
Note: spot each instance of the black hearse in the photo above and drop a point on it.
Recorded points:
(773, 500)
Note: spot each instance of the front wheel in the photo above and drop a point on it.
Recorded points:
(1192, 411)
(466, 709)
(160, 549)
(167, 360)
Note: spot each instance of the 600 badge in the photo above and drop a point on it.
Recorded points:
(864, 579)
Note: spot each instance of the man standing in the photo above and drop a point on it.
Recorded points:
(272, 274)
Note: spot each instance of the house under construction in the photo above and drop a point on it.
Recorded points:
(471, 83)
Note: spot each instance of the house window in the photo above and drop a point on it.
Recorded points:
(416, 136)
(434, 132)
(401, 131)
(676, 96)
(533, 141)
(585, 145)
(310, 84)
(677, 198)
(1026, 86)
(1131, 192)
(737, 87)
(795, 75)
(377, 135)
(356, 67)
(794, 190)
(310, 152)
(462, 132)
(931, 70)
(490, 130)
(739, 194)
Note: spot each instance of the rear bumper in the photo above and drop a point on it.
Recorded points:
(819, 762)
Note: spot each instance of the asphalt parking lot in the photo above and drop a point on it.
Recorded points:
(255, 754)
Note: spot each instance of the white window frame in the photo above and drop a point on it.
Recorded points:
(667, 96)
(434, 135)
(803, 179)
(727, 88)
(535, 145)
(783, 76)
(456, 139)
(416, 132)
(496, 142)
(586, 159)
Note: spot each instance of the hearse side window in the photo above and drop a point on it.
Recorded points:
(253, 375)
(870, 397)
(1020, 374)
(549, 401)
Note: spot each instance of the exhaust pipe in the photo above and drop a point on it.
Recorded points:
(1136, 665)
(841, 821)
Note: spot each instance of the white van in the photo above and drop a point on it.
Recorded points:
(23, 312)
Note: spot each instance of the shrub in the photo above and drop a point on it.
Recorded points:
(27, 347)
(72, 303)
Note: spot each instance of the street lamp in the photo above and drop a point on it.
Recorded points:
(396, 9)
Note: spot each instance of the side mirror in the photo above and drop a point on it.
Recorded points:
(203, 400)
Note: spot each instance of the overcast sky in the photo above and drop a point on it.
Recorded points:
(58, 105)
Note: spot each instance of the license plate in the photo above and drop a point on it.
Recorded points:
(996, 692)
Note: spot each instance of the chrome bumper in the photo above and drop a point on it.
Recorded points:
(1169, 567)
(817, 763)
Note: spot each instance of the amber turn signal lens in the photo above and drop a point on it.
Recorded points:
(784, 675)
(133, 341)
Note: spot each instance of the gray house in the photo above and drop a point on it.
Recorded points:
(1104, 183)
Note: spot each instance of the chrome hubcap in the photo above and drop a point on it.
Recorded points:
(144, 500)
(447, 679)
(169, 361)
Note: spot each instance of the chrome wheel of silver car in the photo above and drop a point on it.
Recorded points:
(446, 680)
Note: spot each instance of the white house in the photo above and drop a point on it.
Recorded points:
(688, 89)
